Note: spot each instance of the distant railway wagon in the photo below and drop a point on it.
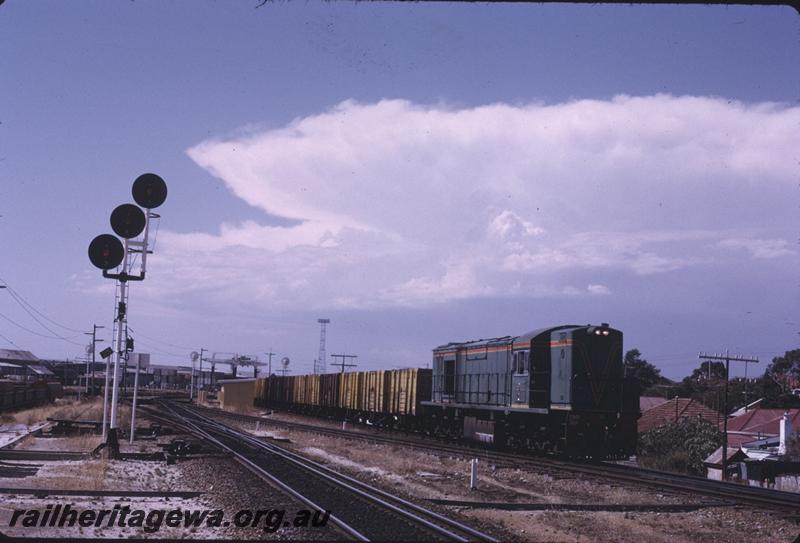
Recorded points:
(407, 388)
(305, 389)
(371, 393)
(559, 390)
(384, 397)
(15, 395)
(329, 390)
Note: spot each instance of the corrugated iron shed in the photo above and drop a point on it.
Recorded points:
(10, 355)
(735, 454)
(40, 370)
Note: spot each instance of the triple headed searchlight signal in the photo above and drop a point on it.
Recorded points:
(128, 221)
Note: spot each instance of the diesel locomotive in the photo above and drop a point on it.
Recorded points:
(558, 390)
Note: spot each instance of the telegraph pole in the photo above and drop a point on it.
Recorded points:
(727, 358)
(93, 333)
(94, 340)
(319, 367)
(202, 381)
(270, 354)
(193, 358)
(342, 363)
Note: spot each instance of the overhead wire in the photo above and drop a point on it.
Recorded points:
(37, 333)
(21, 299)
(11, 342)
(153, 347)
(43, 325)
(164, 342)
(160, 351)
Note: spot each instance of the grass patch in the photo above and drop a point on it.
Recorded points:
(85, 409)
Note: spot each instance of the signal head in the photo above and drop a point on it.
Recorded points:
(149, 190)
(127, 220)
(106, 251)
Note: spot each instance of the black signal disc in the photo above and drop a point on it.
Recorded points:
(149, 190)
(106, 251)
(127, 220)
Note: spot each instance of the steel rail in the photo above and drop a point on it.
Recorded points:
(356, 486)
(739, 493)
(194, 429)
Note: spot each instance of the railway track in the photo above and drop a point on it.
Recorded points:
(732, 493)
(359, 510)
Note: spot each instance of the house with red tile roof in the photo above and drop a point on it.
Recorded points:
(758, 424)
(756, 449)
(675, 409)
(649, 402)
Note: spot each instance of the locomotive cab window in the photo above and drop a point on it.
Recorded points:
(449, 377)
(521, 362)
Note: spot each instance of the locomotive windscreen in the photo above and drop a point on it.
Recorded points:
(597, 369)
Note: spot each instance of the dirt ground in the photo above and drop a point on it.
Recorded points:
(224, 485)
(431, 476)
(412, 473)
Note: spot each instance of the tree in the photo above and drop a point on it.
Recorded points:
(771, 386)
(715, 368)
(640, 369)
(680, 446)
(785, 370)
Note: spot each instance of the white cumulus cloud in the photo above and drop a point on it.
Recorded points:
(398, 203)
(759, 248)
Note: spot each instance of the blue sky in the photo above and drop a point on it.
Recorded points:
(419, 173)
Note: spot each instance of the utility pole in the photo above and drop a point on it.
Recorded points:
(193, 357)
(746, 386)
(202, 380)
(270, 354)
(94, 342)
(87, 360)
(727, 358)
(342, 363)
(319, 367)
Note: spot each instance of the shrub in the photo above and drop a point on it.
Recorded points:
(680, 446)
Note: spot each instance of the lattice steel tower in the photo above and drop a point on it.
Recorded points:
(320, 365)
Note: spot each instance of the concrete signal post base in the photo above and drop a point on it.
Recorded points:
(112, 445)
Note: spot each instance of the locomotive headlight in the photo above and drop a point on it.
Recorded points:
(605, 332)
(597, 332)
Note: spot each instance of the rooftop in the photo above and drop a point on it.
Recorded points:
(672, 410)
(734, 455)
(10, 355)
(763, 422)
(649, 402)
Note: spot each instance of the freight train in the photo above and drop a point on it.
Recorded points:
(558, 390)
